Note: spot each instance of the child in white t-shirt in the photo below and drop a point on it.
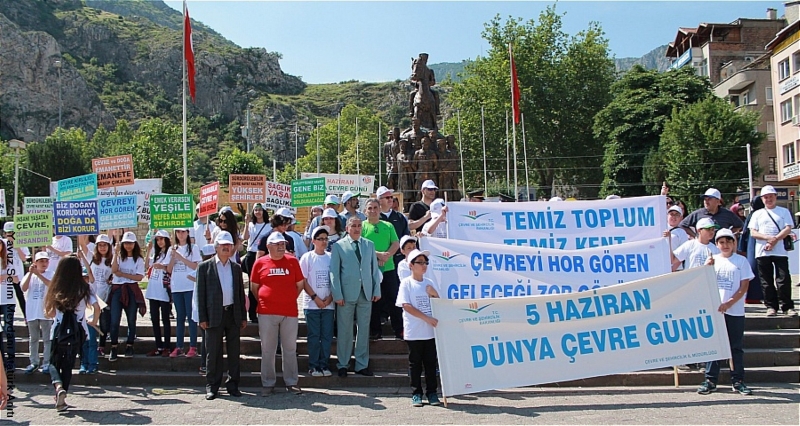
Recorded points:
(407, 244)
(35, 284)
(414, 297)
(316, 265)
(733, 277)
(695, 252)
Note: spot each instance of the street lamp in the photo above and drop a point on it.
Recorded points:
(58, 70)
(16, 145)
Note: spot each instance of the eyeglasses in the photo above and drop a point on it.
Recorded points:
(421, 263)
(321, 239)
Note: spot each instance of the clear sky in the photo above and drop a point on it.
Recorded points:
(325, 42)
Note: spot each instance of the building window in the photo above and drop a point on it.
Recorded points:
(771, 168)
(769, 95)
(735, 100)
(702, 70)
(783, 69)
(796, 61)
(745, 98)
(786, 111)
(771, 130)
(788, 154)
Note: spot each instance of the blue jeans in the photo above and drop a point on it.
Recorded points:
(116, 313)
(183, 308)
(319, 323)
(89, 357)
(735, 326)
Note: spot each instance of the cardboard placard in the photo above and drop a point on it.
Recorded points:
(113, 171)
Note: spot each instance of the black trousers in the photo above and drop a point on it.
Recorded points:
(61, 364)
(776, 282)
(422, 356)
(247, 265)
(159, 314)
(231, 331)
(390, 285)
(20, 298)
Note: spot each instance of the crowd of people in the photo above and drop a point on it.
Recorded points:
(353, 269)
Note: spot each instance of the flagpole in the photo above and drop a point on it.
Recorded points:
(485, 172)
(525, 153)
(461, 154)
(358, 166)
(296, 136)
(183, 72)
(508, 158)
(339, 144)
(380, 180)
(318, 147)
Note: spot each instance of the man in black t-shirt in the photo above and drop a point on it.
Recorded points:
(420, 212)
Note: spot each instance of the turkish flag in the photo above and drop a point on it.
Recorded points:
(515, 96)
(188, 49)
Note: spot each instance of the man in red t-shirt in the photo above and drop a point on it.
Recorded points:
(278, 281)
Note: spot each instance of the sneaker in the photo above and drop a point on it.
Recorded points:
(45, 369)
(83, 370)
(101, 352)
(416, 400)
(791, 312)
(192, 352)
(129, 351)
(707, 387)
(176, 353)
(30, 369)
(771, 312)
(155, 352)
(92, 370)
(112, 355)
(741, 388)
(294, 389)
(433, 399)
(315, 373)
(165, 353)
(326, 372)
(203, 371)
(61, 399)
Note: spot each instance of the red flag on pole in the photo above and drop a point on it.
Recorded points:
(188, 49)
(515, 96)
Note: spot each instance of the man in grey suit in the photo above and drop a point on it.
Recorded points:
(220, 305)
(355, 284)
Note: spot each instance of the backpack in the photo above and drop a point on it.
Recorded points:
(69, 335)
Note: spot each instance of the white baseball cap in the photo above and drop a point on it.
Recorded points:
(208, 250)
(225, 209)
(347, 196)
(8, 227)
(129, 237)
(724, 232)
(768, 189)
(436, 206)
(283, 211)
(714, 193)
(319, 229)
(556, 198)
(407, 238)
(383, 191)
(276, 238)
(331, 199)
(103, 238)
(428, 184)
(675, 208)
(223, 237)
(417, 253)
(705, 223)
(162, 233)
(613, 197)
(41, 255)
(329, 212)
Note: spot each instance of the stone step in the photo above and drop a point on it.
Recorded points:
(660, 377)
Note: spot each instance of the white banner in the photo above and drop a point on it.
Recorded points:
(338, 184)
(279, 195)
(3, 212)
(142, 189)
(652, 323)
(560, 225)
(470, 270)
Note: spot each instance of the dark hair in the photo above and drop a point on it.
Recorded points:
(409, 241)
(157, 253)
(97, 257)
(337, 227)
(137, 252)
(67, 288)
(3, 254)
(231, 225)
(265, 215)
(277, 220)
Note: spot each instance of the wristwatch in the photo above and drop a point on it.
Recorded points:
(313, 296)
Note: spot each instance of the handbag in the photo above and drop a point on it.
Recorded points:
(788, 241)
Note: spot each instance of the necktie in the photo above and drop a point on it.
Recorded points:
(358, 250)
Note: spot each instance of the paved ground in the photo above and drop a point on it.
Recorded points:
(774, 405)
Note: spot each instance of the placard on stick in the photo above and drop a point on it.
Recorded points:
(168, 211)
(113, 171)
(247, 188)
(209, 199)
(33, 230)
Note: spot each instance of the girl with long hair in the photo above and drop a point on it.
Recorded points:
(158, 292)
(331, 219)
(257, 228)
(69, 293)
(127, 268)
(184, 258)
(227, 222)
(98, 265)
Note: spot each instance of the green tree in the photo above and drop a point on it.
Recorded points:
(7, 174)
(629, 128)
(703, 145)
(238, 163)
(60, 156)
(564, 82)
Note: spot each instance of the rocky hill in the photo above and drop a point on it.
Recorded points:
(652, 60)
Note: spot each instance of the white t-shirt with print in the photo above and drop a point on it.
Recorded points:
(256, 232)
(316, 268)
(34, 299)
(155, 285)
(130, 267)
(100, 273)
(414, 293)
(761, 221)
(694, 253)
(80, 311)
(180, 271)
(730, 273)
(678, 236)
(61, 244)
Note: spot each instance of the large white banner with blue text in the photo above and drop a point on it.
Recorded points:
(564, 225)
(652, 323)
(470, 270)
